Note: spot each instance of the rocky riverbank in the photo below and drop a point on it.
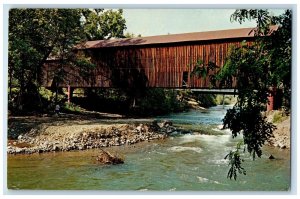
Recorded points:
(282, 134)
(47, 134)
(66, 136)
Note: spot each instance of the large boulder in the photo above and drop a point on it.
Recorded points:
(107, 158)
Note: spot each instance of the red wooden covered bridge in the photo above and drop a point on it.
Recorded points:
(165, 61)
(157, 61)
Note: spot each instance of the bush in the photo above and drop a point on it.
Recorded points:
(111, 100)
(159, 101)
(228, 99)
(71, 107)
(152, 101)
(207, 100)
(278, 117)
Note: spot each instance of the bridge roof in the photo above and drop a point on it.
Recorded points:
(174, 38)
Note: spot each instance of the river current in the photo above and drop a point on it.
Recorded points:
(190, 162)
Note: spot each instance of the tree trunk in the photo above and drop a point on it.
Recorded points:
(20, 100)
(10, 84)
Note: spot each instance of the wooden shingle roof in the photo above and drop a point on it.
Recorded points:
(173, 38)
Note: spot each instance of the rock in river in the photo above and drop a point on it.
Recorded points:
(271, 157)
(107, 158)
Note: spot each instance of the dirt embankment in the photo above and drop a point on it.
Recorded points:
(282, 134)
(37, 135)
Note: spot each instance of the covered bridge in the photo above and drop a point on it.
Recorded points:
(157, 61)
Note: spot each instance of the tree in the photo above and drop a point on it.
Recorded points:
(257, 68)
(37, 34)
(33, 35)
(102, 24)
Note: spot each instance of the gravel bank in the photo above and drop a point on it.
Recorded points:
(46, 134)
(55, 136)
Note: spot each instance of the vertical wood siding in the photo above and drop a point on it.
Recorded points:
(163, 65)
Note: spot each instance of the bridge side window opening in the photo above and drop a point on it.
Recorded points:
(185, 79)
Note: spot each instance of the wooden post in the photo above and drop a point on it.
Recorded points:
(69, 94)
(270, 104)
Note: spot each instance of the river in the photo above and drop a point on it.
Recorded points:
(190, 162)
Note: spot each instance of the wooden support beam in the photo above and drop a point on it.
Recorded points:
(69, 94)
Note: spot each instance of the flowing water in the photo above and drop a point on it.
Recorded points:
(179, 163)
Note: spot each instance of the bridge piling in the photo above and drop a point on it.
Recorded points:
(271, 99)
(70, 92)
(270, 105)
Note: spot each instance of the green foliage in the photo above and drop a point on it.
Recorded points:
(159, 101)
(279, 116)
(71, 107)
(280, 50)
(154, 101)
(249, 66)
(274, 52)
(37, 34)
(34, 34)
(201, 70)
(49, 96)
(235, 163)
(228, 99)
(206, 100)
(256, 131)
(103, 24)
(256, 68)
(112, 100)
(261, 16)
(112, 94)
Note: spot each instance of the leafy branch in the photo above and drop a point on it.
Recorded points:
(235, 162)
(202, 70)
